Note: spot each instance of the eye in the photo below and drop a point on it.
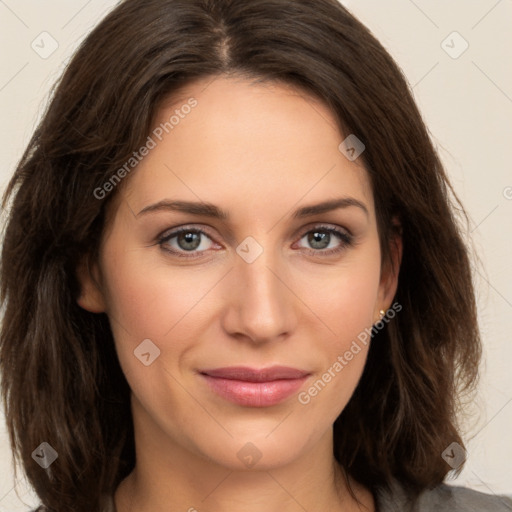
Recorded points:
(186, 240)
(326, 241)
(190, 242)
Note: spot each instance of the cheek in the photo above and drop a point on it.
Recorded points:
(153, 301)
(345, 302)
(345, 297)
(148, 299)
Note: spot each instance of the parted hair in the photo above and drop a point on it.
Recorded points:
(61, 379)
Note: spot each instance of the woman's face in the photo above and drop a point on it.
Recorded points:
(275, 280)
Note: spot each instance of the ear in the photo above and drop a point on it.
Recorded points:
(91, 297)
(390, 270)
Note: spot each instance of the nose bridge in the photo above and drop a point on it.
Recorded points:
(261, 306)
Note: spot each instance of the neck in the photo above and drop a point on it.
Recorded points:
(170, 477)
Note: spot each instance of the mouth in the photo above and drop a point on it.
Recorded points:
(255, 387)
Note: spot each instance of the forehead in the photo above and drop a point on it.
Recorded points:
(255, 145)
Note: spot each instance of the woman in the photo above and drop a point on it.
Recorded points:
(231, 273)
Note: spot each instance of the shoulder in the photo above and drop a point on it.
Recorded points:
(107, 504)
(443, 498)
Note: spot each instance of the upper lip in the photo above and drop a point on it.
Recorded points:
(247, 374)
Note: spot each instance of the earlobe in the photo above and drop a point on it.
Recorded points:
(91, 297)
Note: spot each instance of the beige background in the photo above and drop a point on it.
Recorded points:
(467, 104)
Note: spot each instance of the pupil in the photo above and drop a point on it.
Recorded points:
(191, 241)
(319, 240)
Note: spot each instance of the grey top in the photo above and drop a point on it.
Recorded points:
(443, 498)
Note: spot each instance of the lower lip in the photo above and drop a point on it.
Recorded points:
(254, 394)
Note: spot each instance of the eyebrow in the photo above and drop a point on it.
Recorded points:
(213, 211)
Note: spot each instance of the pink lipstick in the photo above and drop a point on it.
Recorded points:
(255, 388)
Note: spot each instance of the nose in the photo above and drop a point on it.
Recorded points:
(260, 306)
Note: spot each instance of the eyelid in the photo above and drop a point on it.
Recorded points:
(345, 236)
(325, 225)
(304, 230)
(171, 233)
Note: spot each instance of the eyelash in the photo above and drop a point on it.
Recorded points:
(346, 239)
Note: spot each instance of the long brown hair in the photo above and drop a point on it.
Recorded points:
(61, 380)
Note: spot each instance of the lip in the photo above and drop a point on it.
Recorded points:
(255, 387)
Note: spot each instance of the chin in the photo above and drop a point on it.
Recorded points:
(255, 451)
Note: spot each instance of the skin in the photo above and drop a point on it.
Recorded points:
(259, 152)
